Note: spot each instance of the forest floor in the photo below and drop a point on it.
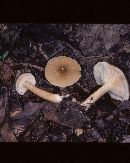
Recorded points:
(28, 48)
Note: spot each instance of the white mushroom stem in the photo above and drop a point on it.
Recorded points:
(96, 95)
(43, 94)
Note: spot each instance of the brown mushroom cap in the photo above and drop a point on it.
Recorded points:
(62, 71)
(106, 73)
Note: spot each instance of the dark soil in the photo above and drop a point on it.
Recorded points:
(28, 118)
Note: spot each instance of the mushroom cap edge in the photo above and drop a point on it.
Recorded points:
(21, 80)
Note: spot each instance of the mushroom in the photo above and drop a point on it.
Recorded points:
(112, 80)
(27, 81)
(62, 71)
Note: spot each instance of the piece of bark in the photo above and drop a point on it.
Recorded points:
(67, 114)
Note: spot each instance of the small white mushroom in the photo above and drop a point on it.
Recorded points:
(27, 82)
(79, 131)
(112, 80)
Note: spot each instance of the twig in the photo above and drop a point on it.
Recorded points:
(98, 56)
(30, 65)
(43, 52)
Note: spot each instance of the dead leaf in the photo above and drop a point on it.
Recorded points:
(7, 73)
(7, 133)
